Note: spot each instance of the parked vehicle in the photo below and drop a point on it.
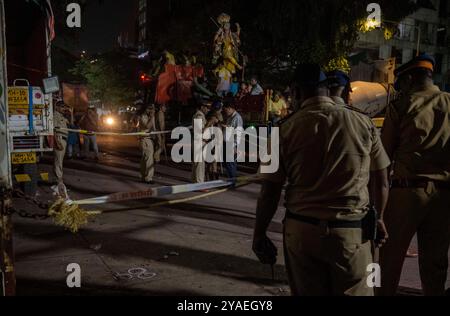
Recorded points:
(30, 109)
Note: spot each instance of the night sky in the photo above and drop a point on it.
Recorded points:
(102, 23)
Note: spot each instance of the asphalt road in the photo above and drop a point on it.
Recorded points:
(196, 248)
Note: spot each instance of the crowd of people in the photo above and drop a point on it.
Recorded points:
(228, 87)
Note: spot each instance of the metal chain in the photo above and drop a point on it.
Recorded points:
(32, 200)
(27, 214)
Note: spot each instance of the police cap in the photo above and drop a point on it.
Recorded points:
(423, 61)
(338, 78)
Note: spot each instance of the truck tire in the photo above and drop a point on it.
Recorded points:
(30, 188)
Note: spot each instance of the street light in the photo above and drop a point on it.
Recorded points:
(372, 24)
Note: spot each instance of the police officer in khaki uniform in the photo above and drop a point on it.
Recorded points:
(61, 136)
(214, 119)
(416, 136)
(147, 124)
(160, 127)
(198, 164)
(327, 154)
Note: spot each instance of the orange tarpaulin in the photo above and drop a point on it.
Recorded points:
(176, 82)
(76, 96)
(166, 87)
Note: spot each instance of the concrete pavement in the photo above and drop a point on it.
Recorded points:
(198, 248)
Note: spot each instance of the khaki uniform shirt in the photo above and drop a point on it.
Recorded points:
(338, 100)
(147, 124)
(59, 121)
(326, 155)
(416, 135)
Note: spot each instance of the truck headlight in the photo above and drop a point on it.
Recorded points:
(110, 121)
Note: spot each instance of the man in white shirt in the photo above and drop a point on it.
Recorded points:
(233, 120)
(256, 87)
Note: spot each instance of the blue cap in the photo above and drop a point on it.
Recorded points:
(338, 78)
(422, 61)
(217, 105)
(309, 75)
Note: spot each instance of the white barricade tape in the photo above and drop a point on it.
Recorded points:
(84, 132)
(153, 193)
(163, 191)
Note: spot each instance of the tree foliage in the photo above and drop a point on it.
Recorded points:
(274, 32)
(106, 82)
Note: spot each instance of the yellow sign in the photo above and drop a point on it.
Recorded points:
(23, 158)
(24, 112)
(23, 178)
(45, 177)
(26, 107)
(18, 96)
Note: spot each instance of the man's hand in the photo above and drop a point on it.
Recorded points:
(58, 146)
(382, 234)
(265, 250)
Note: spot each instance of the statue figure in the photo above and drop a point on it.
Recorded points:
(159, 66)
(227, 43)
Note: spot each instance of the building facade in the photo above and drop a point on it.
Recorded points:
(425, 31)
(153, 22)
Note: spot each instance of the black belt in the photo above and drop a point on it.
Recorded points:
(318, 222)
(419, 184)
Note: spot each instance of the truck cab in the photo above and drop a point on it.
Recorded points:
(28, 33)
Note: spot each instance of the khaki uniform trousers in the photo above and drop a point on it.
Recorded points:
(58, 163)
(160, 147)
(147, 160)
(212, 171)
(198, 172)
(326, 262)
(425, 212)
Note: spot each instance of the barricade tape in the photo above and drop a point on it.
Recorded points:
(153, 193)
(85, 132)
(69, 214)
(169, 202)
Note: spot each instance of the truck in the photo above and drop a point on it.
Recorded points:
(28, 31)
